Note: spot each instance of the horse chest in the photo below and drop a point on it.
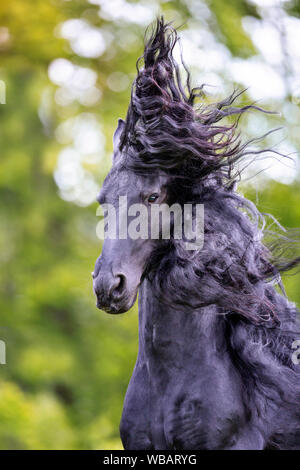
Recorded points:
(194, 394)
(185, 392)
(194, 404)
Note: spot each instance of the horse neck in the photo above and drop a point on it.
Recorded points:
(177, 333)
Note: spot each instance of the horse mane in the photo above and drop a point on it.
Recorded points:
(167, 131)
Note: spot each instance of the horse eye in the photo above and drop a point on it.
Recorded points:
(152, 198)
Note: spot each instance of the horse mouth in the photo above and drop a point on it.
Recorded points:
(116, 307)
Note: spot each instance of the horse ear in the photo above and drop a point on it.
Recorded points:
(116, 139)
(118, 132)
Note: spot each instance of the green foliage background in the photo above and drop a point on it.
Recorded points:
(68, 364)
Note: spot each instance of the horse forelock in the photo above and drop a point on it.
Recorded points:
(165, 128)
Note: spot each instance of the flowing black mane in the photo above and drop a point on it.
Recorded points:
(167, 131)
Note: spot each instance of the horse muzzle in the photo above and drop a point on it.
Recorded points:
(112, 292)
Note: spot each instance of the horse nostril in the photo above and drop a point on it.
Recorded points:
(119, 288)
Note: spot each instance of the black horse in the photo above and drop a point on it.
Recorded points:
(215, 367)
